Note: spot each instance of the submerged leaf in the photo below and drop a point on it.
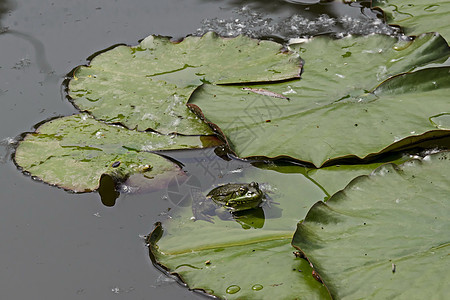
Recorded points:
(74, 152)
(147, 86)
(344, 105)
(246, 258)
(385, 235)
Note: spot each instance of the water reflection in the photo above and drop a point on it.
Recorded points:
(107, 191)
(253, 218)
(41, 59)
(5, 7)
(7, 146)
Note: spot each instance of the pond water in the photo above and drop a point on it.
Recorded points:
(59, 245)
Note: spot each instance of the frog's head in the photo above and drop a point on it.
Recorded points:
(238, 196)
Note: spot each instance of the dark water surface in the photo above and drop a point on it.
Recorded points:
(58, 245)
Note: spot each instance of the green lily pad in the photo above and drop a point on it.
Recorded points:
(418, 16)
(252, 259)
(147, 86)
(441, 120)
(334, 178)
(74, 152)
(344, 106)
(385, 235)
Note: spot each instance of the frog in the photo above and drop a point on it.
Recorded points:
(226, 200)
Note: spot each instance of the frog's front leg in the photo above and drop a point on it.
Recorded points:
(202, 207)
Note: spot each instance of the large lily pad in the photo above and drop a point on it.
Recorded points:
(418, 16)
(332, 111)
(147, 86)
(74, 152)
(334, 178)
(231, 262)
(385, 235)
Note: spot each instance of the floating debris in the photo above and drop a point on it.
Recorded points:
(22, 64)
(265, 93)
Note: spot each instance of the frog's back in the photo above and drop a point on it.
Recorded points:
(224, 190)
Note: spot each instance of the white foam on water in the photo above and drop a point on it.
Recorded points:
(127, 189)
(256, 24)
(164, 279)
(22, 63)
(238, 170)
(431, 151)
(8, 144)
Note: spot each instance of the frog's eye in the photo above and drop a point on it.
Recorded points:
(254, 184)
(242, 190)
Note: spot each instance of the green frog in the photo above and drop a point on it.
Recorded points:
(226, 199)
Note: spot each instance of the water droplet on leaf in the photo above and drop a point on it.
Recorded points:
(233, 289)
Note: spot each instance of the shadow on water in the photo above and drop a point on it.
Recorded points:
(5, 7)
(107, 191)
(41, 59)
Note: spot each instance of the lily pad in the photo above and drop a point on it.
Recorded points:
(343, 106)
(385, 235)
(147, 86)
(240, 261)
(74, 152)
(418, 16)
(334, 178)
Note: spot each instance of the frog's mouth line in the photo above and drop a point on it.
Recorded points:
(237, 202)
